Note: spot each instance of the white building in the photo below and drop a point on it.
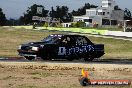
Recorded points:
(104, 15)
(66, 24)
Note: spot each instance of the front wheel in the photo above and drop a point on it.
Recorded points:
(29, 57)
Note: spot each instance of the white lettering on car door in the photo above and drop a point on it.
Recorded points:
(62, 51)
(90, 48)
(73, 50)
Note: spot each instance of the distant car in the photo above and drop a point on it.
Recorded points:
(62, 46)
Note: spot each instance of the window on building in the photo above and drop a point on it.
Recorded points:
(88, 20)
(109, 4)
(99, 13)
(108, 12)
(91, 13)
(103, 13)
(67, 25)
(107, 0)
(104, 4)
(113, 22)
(105, 22)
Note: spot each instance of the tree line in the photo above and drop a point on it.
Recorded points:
(60, 12)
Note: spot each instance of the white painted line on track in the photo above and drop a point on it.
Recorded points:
(2, 58)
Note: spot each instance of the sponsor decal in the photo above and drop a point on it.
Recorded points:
(85, 80)
(47, 19)
(73, 50)
(62, 51)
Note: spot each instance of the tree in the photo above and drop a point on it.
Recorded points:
(61, 13)
(46, 25)
(21, 20)
(127, 14)
(32, 11)
(52, 13)
(117, 7)
(2, 18)
(82, 10)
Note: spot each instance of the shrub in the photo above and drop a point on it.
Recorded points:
(78, 24)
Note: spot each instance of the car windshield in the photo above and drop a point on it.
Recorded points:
(52, 38)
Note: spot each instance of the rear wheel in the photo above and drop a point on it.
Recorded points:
(46, 57)
(88, 59)
(70, 59)
(29, 57)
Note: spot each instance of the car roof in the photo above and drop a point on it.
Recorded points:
(67, 35)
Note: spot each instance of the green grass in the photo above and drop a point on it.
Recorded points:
(115, 48)
(105, 28)
(112, 29)
(10, 39)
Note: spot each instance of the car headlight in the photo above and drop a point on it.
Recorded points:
(19, 47)
(35, 48)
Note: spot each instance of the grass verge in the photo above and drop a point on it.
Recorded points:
(11, 38)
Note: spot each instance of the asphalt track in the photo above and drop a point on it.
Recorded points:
(97, 61)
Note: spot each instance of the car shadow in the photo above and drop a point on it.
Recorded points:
(96, 61)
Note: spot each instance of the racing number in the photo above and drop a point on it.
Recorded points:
(62, 51)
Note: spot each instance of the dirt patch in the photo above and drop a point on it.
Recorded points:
(58, 75)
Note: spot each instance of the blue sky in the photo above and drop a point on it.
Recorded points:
(16, 8)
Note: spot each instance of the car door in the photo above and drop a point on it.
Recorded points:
(83, 47)
(66, 47)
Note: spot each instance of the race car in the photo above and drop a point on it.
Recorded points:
(62, 46)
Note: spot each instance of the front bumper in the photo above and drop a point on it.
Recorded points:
(27, 53)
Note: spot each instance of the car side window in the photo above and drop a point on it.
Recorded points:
(68, 40)
(81, 41)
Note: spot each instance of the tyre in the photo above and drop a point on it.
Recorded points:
(88, 59)
(70, 59)
(46, 57)
(29, 57)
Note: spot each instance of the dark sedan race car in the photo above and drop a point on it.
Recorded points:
(62, 46)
